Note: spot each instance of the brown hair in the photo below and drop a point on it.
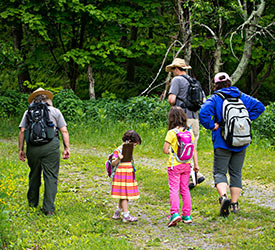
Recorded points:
(177, 117)
(131, 136)
(222, 84)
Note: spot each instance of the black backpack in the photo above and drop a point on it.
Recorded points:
(40, 129)
(194, 98)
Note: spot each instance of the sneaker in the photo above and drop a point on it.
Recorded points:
(174, 219)
(129, 218)
(234, 207)
(116, 215)
(201, 179)
(186, 219)
(225, 203)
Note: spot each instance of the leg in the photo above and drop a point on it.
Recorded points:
(221, 161)
(235, 172)
(124, 205)
(196, 131)
(50, 165)
(174, 186)
(34, 177)
(184, 190)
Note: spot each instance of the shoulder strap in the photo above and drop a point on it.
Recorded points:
(221, 95)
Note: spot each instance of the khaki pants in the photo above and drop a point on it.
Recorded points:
(195, 129)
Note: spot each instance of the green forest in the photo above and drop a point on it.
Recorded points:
(105, 63)
(120, 48)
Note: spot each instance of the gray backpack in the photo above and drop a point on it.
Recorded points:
(236, 125)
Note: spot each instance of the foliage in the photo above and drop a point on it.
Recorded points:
(12, 103)
(265, 124)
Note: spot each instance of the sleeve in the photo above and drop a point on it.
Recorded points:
(175, 87)
(169, 137)
(207, 114)
(60, 121)
(254, 107)
(23, 123)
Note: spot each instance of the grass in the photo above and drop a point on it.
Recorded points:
(84, 207)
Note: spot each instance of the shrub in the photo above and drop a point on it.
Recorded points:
(70, 105)
(265, 124)
(13, 103)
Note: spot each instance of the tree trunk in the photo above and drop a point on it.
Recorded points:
(91, 83)
(249, 29)
(130, 65)
(22, 68)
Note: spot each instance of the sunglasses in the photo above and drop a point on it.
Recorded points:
(173, 68)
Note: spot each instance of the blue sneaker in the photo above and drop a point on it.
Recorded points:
(186, 219)
(174, 219)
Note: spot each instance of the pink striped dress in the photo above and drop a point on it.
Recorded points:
(124, 184)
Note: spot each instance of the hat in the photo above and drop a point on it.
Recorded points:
(40, 91)
(221, 77)
(177, 62)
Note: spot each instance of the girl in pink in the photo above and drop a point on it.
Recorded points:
(178, 173)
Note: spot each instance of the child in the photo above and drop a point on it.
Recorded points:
(178, 173)
(124, 184)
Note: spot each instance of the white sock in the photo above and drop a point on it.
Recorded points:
(125, 214)
(118, 210)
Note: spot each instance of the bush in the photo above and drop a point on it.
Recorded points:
(265, 125)
(13, 103)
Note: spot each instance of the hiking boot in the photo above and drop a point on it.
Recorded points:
(234, 207)
(225, 203)
(129, 218)
(174, 219)
(186, 219)
(116, 215)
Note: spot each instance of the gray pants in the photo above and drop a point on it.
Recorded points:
(44, 158)
(226, 160)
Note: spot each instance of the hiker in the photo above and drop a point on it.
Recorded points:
(177, 96)
(43, 151)
(124, 183)
(226, 156)
(178, 172)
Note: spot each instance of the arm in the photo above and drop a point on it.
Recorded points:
(22, 155)
(172, 99)
(207, 114)
(65, 137)
(195, 159)
(254, 107)
(166, 147)
(115, 161)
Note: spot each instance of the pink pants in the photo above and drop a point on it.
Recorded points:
(178, 179)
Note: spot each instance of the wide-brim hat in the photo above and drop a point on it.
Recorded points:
(177, 62)
(40, 91)
(221, 77)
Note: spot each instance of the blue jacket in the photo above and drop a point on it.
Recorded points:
(211, 112)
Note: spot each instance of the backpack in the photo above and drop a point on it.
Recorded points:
(110, 169)
(40, 129)
(185, 146)
(194, 98)
(236, 125)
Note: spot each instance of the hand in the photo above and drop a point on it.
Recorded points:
(22, 155)
(216, 126)
(66, 154)
(196, 168)
(120, 156)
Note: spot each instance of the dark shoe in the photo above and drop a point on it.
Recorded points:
(234, 207)
(225, 203)
(47, 213)
(201, 179)
(191, 185)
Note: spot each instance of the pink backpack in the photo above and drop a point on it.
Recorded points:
(110, 169)
(185, 146)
